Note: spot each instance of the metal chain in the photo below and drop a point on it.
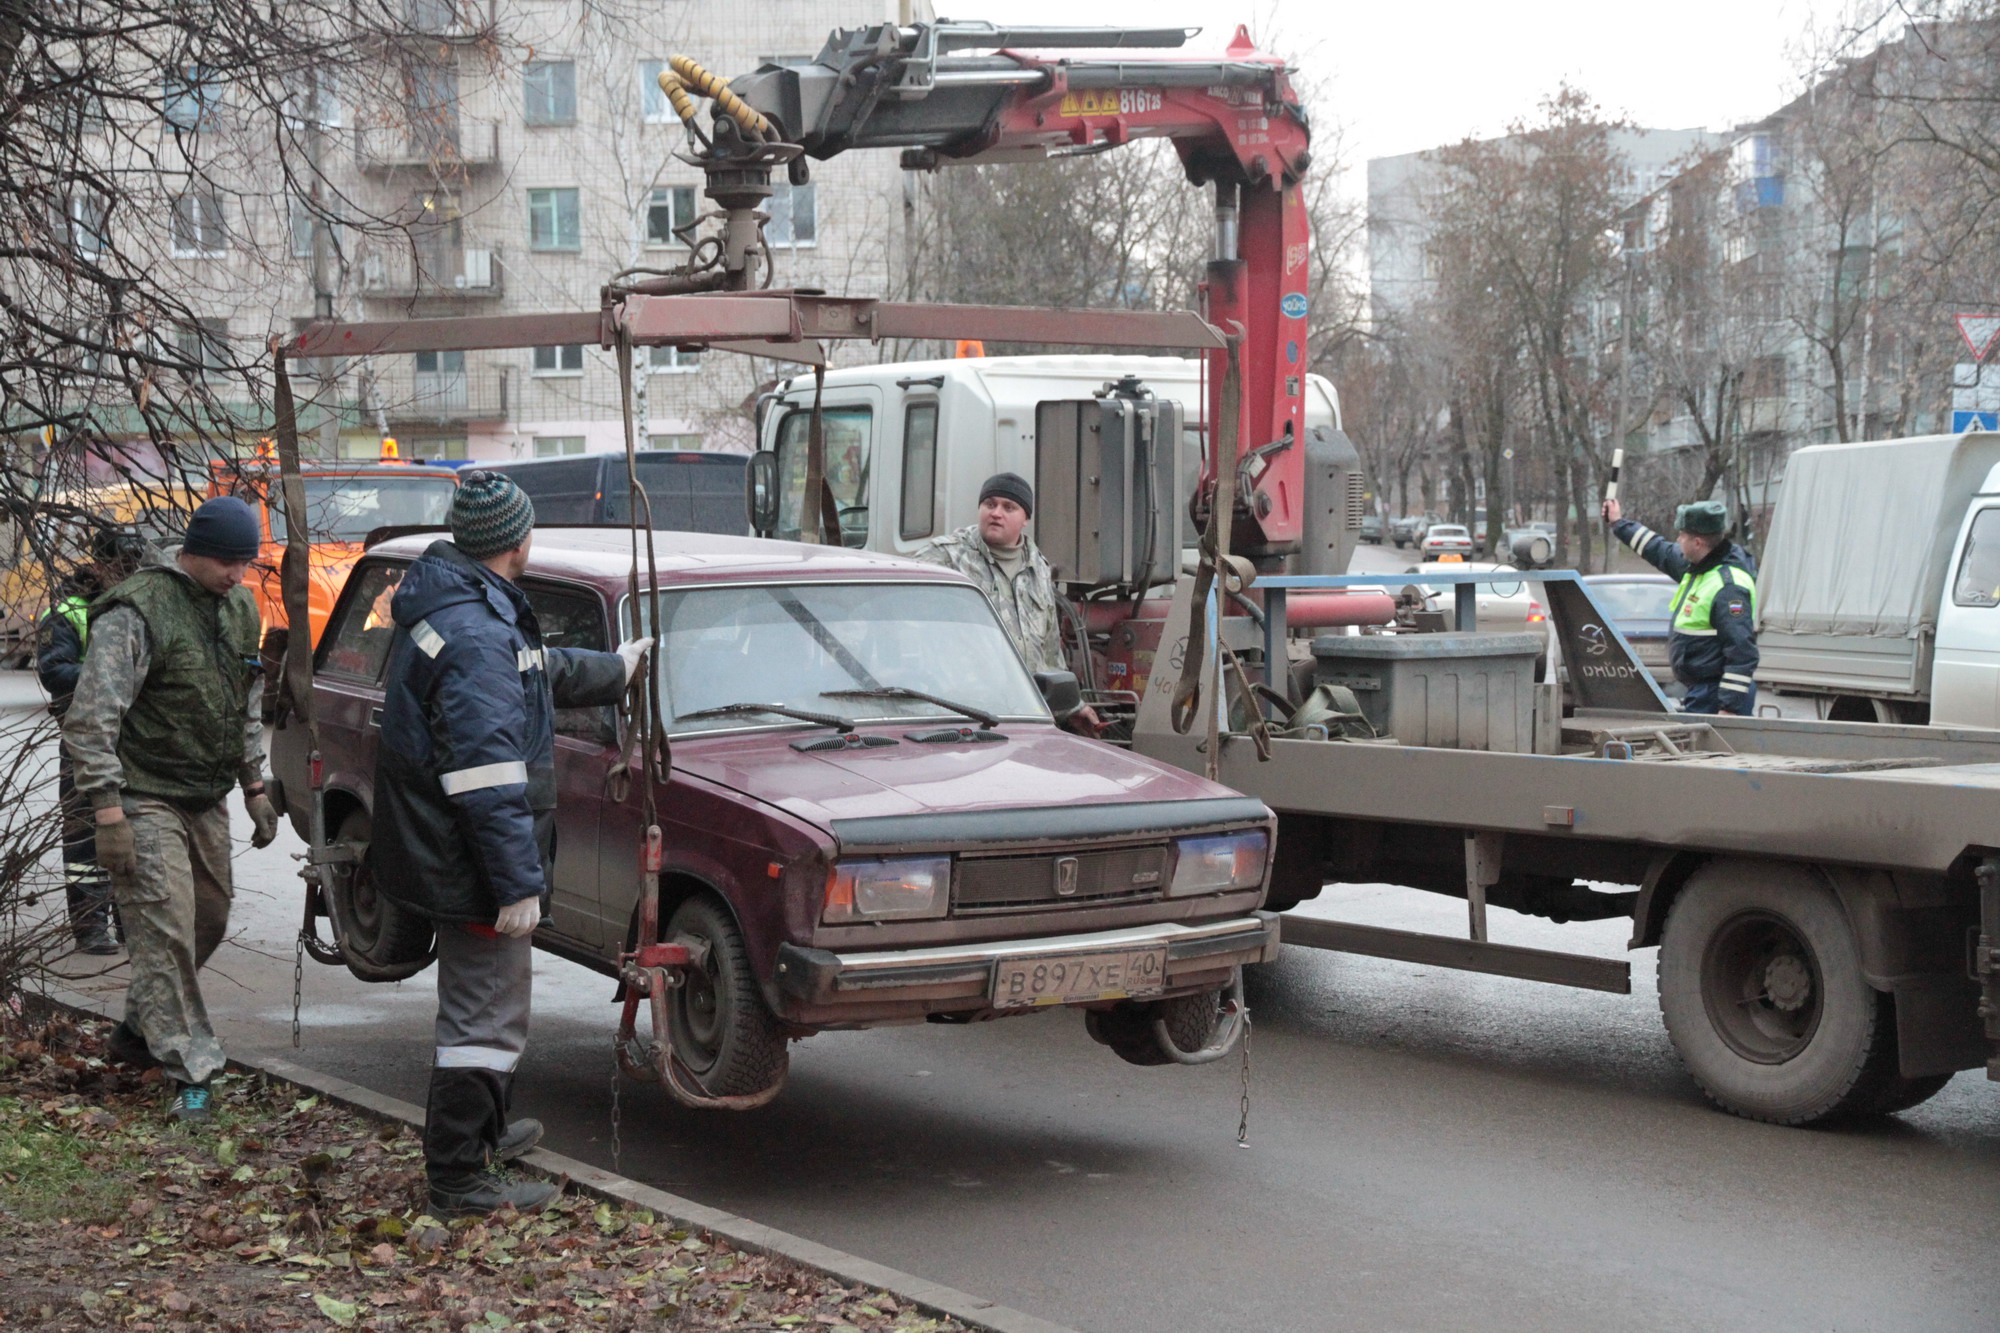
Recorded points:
(617, 1108)
(1243, 1119)
(298, 982)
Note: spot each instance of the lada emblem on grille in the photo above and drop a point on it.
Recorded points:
(1065, 876)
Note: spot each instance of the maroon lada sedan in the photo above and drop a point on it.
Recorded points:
(872, 816)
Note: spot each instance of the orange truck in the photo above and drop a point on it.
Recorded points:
(344, 503)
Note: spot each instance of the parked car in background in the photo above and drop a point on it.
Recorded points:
(1641, 607)
(689, 491)
(1447, 539)
(1409, 530)
(871, 816)
(1371, 529)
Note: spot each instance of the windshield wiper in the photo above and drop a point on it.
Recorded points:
(984, 719)
(839, 724)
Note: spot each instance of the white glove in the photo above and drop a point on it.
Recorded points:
(632, 650)
(518, 920)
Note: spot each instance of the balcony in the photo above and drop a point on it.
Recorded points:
(443, 274)
(459, 20)
(453, 148)
(443, 397)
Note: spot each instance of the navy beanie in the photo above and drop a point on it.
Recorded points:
(490, 514)
(224, 529)
(1012, 486)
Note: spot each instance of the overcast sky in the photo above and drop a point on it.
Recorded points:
(1411, 74)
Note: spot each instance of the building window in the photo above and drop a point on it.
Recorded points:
(551, 92)
(440, 363)
(654, 108)
(553, 222)
(671, 211)
(188, 97)
(680, 444)
(204, 345)
(1766, 378)
(672, 358)
(794, 215)
(197, 224)
(555, 446)
(89, 224)
(564, 360)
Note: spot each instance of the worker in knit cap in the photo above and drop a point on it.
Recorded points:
(464, 819)
(166, 718)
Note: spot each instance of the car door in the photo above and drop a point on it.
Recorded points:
(586, 746)
(347, 688)
(1965, 669)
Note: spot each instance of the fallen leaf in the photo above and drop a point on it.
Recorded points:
(343, 1313)
(382, 1255)
(177, 1301)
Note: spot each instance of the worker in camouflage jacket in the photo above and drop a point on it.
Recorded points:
(60, 639)
(998, 554)
(1712, 640)
(163, 723)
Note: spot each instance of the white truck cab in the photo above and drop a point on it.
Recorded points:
(908, 444)
(1965, 670)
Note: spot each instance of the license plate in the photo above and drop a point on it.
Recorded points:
(1125, 974)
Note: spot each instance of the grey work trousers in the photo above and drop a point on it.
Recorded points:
(175, 909)
(485, 984)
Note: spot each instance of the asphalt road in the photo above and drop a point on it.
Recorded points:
(1429, 1150)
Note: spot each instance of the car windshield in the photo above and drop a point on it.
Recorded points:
(1634, 601)
(347, 509)
(797, 644)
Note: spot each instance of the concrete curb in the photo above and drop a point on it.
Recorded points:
(742, 1232)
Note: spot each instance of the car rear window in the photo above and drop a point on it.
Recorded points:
(1634, 601)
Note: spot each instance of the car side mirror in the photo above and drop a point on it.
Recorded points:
(1060, 692)
(760, 492)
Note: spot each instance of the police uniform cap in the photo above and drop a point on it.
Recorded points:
(1703, 518)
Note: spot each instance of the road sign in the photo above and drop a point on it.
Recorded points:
(1964, 421)
(1979, 332)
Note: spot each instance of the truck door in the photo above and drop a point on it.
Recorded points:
(1965, 670)
(851, 414)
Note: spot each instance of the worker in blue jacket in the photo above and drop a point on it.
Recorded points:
(1713, 639)
(464, 818)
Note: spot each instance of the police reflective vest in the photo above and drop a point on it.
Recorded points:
(1694, 600)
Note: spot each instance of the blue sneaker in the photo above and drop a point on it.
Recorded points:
(192, 1103)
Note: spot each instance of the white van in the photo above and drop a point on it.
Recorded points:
(908, 444)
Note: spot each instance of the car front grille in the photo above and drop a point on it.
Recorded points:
(1026, 883)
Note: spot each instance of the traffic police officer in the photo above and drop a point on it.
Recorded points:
(1713, 644)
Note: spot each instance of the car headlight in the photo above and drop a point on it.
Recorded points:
(1218, 863)
(904, 888)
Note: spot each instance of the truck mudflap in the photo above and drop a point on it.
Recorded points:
(1986, 959)
(964, 973)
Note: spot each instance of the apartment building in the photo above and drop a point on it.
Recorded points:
(532, 171)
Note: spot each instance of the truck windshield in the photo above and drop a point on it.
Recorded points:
(850, 439)
(794, 645)
(346, 509)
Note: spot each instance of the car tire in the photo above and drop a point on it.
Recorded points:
(723, 1032)
(1128, 1028)
(380, 940)
(1761, 989)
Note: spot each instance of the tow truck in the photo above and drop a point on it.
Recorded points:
(1826, 897)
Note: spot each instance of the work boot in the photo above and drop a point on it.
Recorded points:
(488, 1192)
(127, 1047)
(94, 937)
(517, 1139)
(192, 1103)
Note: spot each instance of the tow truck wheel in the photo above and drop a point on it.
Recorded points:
(722, 1030)
(1128, 1028)
(380, 940)
(1762, 992)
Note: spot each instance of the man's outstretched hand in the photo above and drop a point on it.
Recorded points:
(1612, 511)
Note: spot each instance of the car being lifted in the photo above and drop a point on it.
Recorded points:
(871, 815)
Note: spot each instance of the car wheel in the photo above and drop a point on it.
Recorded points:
(1128, 1028)
(722, 1030)
(1762, 992)
(380, 940)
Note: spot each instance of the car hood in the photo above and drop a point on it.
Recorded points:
(1037, 768)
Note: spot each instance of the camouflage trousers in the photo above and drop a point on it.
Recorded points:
(175, 909)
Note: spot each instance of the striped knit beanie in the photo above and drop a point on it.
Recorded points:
(490, 514)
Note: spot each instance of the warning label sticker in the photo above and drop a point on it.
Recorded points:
(1111, 102)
